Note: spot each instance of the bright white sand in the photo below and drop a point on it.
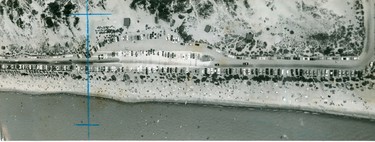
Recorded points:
(237, 93)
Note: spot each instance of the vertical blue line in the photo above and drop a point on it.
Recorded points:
(88, 67)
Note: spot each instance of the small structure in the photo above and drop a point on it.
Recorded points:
(249, 36)
(172, 22)
(127, 22)
(207, 28)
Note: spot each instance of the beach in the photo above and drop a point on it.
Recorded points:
(313, 97)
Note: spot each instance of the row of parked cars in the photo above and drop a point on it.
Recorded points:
(227, 71)
(300, 58)
(36, 67)
(284, 72)
(138, 69)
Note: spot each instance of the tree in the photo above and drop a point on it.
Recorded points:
(113, 78)
(54, 8)
(246, 3)
(181, 31)
(126, 77)
(327, 51)
(68, 9)
(340, 51)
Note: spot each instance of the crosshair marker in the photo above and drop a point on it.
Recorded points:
(87, 14)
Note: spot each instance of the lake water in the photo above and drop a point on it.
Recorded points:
(52, 117)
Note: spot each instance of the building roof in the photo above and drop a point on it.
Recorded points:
(249, 36)
(207, 28)
(127, 22)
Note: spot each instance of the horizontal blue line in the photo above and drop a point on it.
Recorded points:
(81, 125)
(91, 14)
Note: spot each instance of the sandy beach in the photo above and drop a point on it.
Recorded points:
(314, 97)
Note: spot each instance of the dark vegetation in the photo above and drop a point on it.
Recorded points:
(181, 31)
(76, 21)
(343, 39)
(15, 11)
(339, 42)
(230, 4)
(1, 10)
(162, 8)
(246, 3)
(55, 9)
(68, 8)
(181, 16)
(56, 12)
(205, 9)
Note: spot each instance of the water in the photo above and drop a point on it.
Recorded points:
(52, 117)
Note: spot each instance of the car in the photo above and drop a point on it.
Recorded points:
(168, 37)
(226, 71)
(256, 71)
(292, 72)
(211, 71)
(314, 73)
(279, 71)
(241, 71)
(320, 72)
(296, 58)
(219, 51)
(347, 73)
(217, 64)
(245, 63)
(296, 72)
(301, 72)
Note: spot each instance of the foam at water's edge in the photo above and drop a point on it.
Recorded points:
(347, 113)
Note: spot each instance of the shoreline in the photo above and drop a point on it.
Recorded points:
(137, 86)
(219, 103)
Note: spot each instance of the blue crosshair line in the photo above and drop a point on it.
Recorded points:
(87, 14)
